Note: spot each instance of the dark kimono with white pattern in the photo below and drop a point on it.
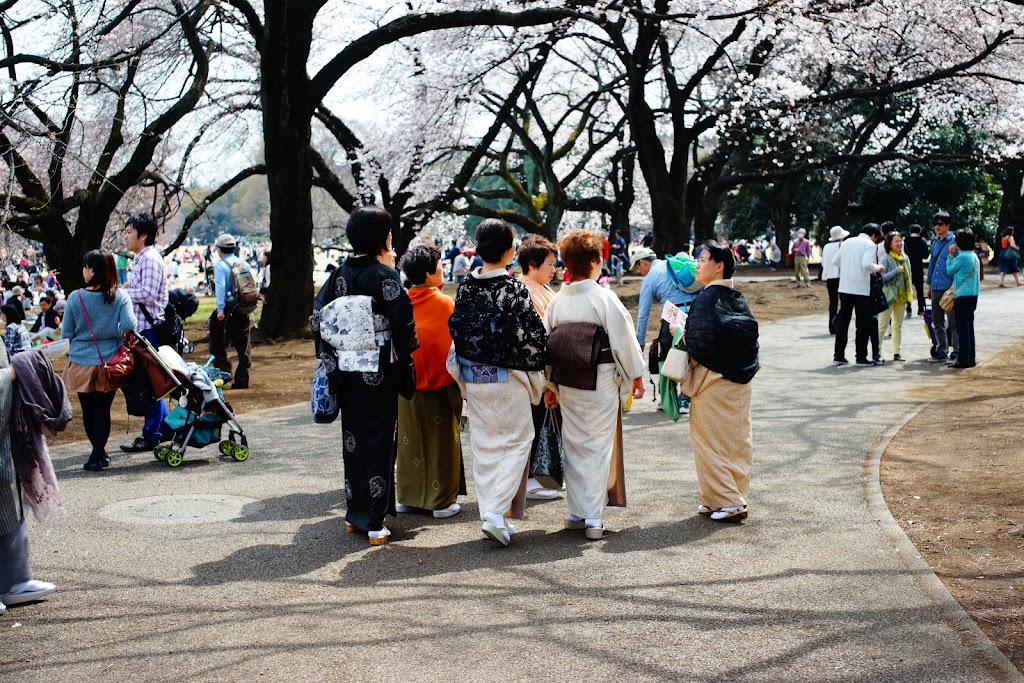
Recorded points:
(495, 323)
(368, 401)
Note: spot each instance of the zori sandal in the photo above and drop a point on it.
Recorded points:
(730, 514)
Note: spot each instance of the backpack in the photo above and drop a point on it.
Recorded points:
(682, 270)
(243, 284)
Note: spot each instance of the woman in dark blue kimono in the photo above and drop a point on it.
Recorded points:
(364, 334)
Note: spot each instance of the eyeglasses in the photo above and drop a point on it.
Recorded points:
(940, 223)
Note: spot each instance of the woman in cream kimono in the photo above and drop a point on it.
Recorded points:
(499, 358)
(591, 420)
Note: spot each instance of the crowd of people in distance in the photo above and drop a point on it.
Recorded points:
(872, 279)
(517, 353)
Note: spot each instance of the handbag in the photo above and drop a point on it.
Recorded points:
(946, 301)
(121, 363)
(1011, 253)
(876, 299)
(323, 401)
(677, 364)
(546, 460)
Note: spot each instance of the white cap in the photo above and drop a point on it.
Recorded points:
(639, 255)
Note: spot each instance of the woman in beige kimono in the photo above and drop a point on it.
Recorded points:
(499, 360)
(591, 418)
(721, 338)
(537, 259)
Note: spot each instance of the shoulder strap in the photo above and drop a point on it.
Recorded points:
(149, 318)
(89, 323)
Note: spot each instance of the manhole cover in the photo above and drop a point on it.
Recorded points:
(185, 509)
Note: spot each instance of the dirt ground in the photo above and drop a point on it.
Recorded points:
(969, 527)
(953, 478)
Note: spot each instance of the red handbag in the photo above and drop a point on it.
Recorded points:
(121, 363)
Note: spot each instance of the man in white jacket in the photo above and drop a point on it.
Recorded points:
(856, 260)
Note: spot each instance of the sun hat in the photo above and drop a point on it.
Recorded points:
(641, 254)
(837, 233)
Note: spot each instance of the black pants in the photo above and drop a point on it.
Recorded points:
(234, 329)
(850, 304)
(964, 308)
(833, 303)
(96, 420)
(917, 278)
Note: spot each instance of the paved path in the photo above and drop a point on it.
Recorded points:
(814, 587)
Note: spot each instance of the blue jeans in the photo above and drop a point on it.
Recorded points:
(157, 410)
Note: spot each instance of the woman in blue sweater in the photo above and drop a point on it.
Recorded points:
(95, 320)
(965, 269)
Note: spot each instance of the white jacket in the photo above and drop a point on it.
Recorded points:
(829, 270)
(857, 260)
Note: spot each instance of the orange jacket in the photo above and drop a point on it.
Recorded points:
(431, 310)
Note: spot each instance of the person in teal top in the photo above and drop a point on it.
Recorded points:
(965, 269)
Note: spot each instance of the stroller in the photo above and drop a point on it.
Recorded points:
(201, 411)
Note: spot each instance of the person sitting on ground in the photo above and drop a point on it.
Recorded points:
(537, 257)
(500, 350)
(16, 337)
(429, 472)
(896, 284)
(722, 341)
(48, 319)
(592, 416)
(965, 269)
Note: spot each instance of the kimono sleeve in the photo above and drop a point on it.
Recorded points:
(534, 339)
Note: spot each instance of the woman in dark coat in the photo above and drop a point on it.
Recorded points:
(366, 379)
(721, 338)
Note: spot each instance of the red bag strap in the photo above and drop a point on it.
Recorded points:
(89, 323)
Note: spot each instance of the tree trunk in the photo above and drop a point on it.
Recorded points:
(287, 117)
(783, 209)
(64, 256)
(1011, 211)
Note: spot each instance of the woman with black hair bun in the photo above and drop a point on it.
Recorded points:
(721, 339)
(500, 346)
(364, 335)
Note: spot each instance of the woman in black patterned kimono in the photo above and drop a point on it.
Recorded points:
(367, 382)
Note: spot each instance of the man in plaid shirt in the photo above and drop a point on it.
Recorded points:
(147, 288)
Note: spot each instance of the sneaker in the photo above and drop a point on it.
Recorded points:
(27, 591)
(140, 444)
(865, 363)
(898, 358)
(401, 507)
(684, 406)
(877, 361)
(840, 361)
(937, 359)
(3, 608)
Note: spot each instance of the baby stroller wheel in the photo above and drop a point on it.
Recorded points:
(226, 448)
(173, 458)
(240, 453)
(160, 453)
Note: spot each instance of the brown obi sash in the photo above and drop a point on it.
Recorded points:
(574, 352)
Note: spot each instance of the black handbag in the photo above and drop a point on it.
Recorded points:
(876, 299)
(546, 461)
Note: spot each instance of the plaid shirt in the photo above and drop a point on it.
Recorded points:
(147, 285)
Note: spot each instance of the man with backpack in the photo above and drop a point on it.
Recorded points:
(237, 295)
(663, 284)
